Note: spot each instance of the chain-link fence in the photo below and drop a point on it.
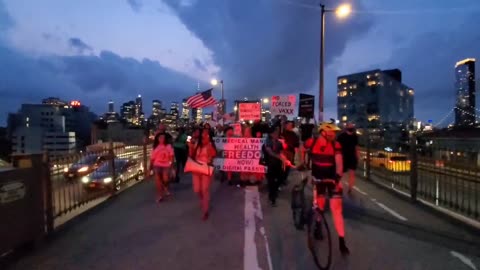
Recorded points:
(443, 176)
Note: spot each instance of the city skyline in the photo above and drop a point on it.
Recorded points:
(62, 56)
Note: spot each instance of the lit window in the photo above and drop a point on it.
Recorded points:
(411, 92)
(344, 81)
(343, 106)
(344, 118)
(373, 117)
(370, 83)
(28, 119)
(401, 93)
(342, 93)
(377, 74)
(368, 76)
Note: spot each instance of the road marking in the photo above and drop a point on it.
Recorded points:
(463, 259)
(253, 211)
(393, 213)
(360, 191)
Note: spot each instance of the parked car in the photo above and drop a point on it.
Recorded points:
(84, 166)
(103, 177)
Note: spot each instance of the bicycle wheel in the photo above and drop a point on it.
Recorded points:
(319, 240)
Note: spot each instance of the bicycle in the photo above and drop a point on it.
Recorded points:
(318, 231)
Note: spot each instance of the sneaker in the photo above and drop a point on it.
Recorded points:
(343, 247)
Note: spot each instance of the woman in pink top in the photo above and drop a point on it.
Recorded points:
(204, 152)
(161, 160)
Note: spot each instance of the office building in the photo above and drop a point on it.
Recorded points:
(185, 111)
(377, 100)
(127, 112)
(138, 110)
(156, 107)
(51, 126)
(111, 107)
(197, 114)
(465, 113)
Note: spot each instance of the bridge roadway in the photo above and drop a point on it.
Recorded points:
(131, 231)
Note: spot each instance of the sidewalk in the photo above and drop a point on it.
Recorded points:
(134, 232)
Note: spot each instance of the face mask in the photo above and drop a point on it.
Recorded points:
(350, 129)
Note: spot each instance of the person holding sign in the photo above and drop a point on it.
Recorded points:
(203, 151)
(276, 164)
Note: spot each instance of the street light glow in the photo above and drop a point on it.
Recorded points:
(214, 82)
(265, 100)
(343, 10)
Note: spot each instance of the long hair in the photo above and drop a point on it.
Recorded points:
(157, 138)
(200, 141)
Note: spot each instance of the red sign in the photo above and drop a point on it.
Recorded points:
(75, 103)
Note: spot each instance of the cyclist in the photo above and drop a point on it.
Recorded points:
(327, 170)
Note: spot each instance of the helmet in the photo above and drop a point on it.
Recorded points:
(328, 126)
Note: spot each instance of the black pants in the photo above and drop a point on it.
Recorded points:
(181, 156)
(274, 176)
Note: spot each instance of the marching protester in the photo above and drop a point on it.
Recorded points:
(276, 164)
(291, 144)
(245, 177)
(228, 133)
(161, 161)
(203, 151)
(351, 153)
(181, 152)
(306, 131)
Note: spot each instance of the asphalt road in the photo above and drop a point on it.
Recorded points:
(245, 232)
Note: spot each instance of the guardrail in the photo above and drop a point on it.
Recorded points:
(439, 182)
(91, 178)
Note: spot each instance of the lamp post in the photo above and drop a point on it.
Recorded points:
(215, 82)
(341, 12)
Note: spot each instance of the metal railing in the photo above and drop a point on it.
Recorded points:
(78, 182)
(451, 182)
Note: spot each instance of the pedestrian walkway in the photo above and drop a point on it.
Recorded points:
(244, 232)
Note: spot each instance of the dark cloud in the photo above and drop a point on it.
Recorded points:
(199, 65)
(428, 66)
(92, 79)
(78, 45)
(136, 5)
(267, 46)
(6, 20)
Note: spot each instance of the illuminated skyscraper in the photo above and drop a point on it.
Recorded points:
(465, 92)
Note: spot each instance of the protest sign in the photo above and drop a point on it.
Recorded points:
(306, 106)
(239, 154)
(283, 105)
(249, 111)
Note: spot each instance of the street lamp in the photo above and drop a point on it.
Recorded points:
(265, 101)
(342, 11)
(215, 82)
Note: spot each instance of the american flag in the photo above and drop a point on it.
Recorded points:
(202, 100)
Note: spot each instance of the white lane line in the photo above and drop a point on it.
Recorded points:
(463, 259)
(360, 191)
(391, 212)
(253, 211)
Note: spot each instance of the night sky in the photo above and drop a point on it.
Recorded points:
(95, 51)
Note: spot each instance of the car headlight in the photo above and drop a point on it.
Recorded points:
(83, 169)
(65, 170)
(85, 180)
(107, 180)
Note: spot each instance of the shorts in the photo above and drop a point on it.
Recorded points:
(349, 164)
(329, 187)
(161, 170)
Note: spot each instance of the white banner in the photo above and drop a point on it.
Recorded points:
(249, 111)
(239, 154)
(283, 105)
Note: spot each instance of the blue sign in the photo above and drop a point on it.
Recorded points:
(430, 121)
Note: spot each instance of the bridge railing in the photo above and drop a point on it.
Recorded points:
(78, 182)
(446, 178)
